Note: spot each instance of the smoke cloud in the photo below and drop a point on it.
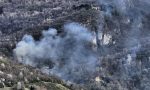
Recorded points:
(69, 56)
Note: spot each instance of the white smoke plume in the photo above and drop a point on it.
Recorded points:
(69, 56)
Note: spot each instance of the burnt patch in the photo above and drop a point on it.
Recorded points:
(1, 10)
(82, 6)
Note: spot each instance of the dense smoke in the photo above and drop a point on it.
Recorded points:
(69, 56)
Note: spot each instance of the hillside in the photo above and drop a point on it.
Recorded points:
(75, 44)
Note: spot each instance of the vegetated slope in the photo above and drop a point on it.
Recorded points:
(31, 17)
(122, 64)
(16, 76)
(17, 15)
